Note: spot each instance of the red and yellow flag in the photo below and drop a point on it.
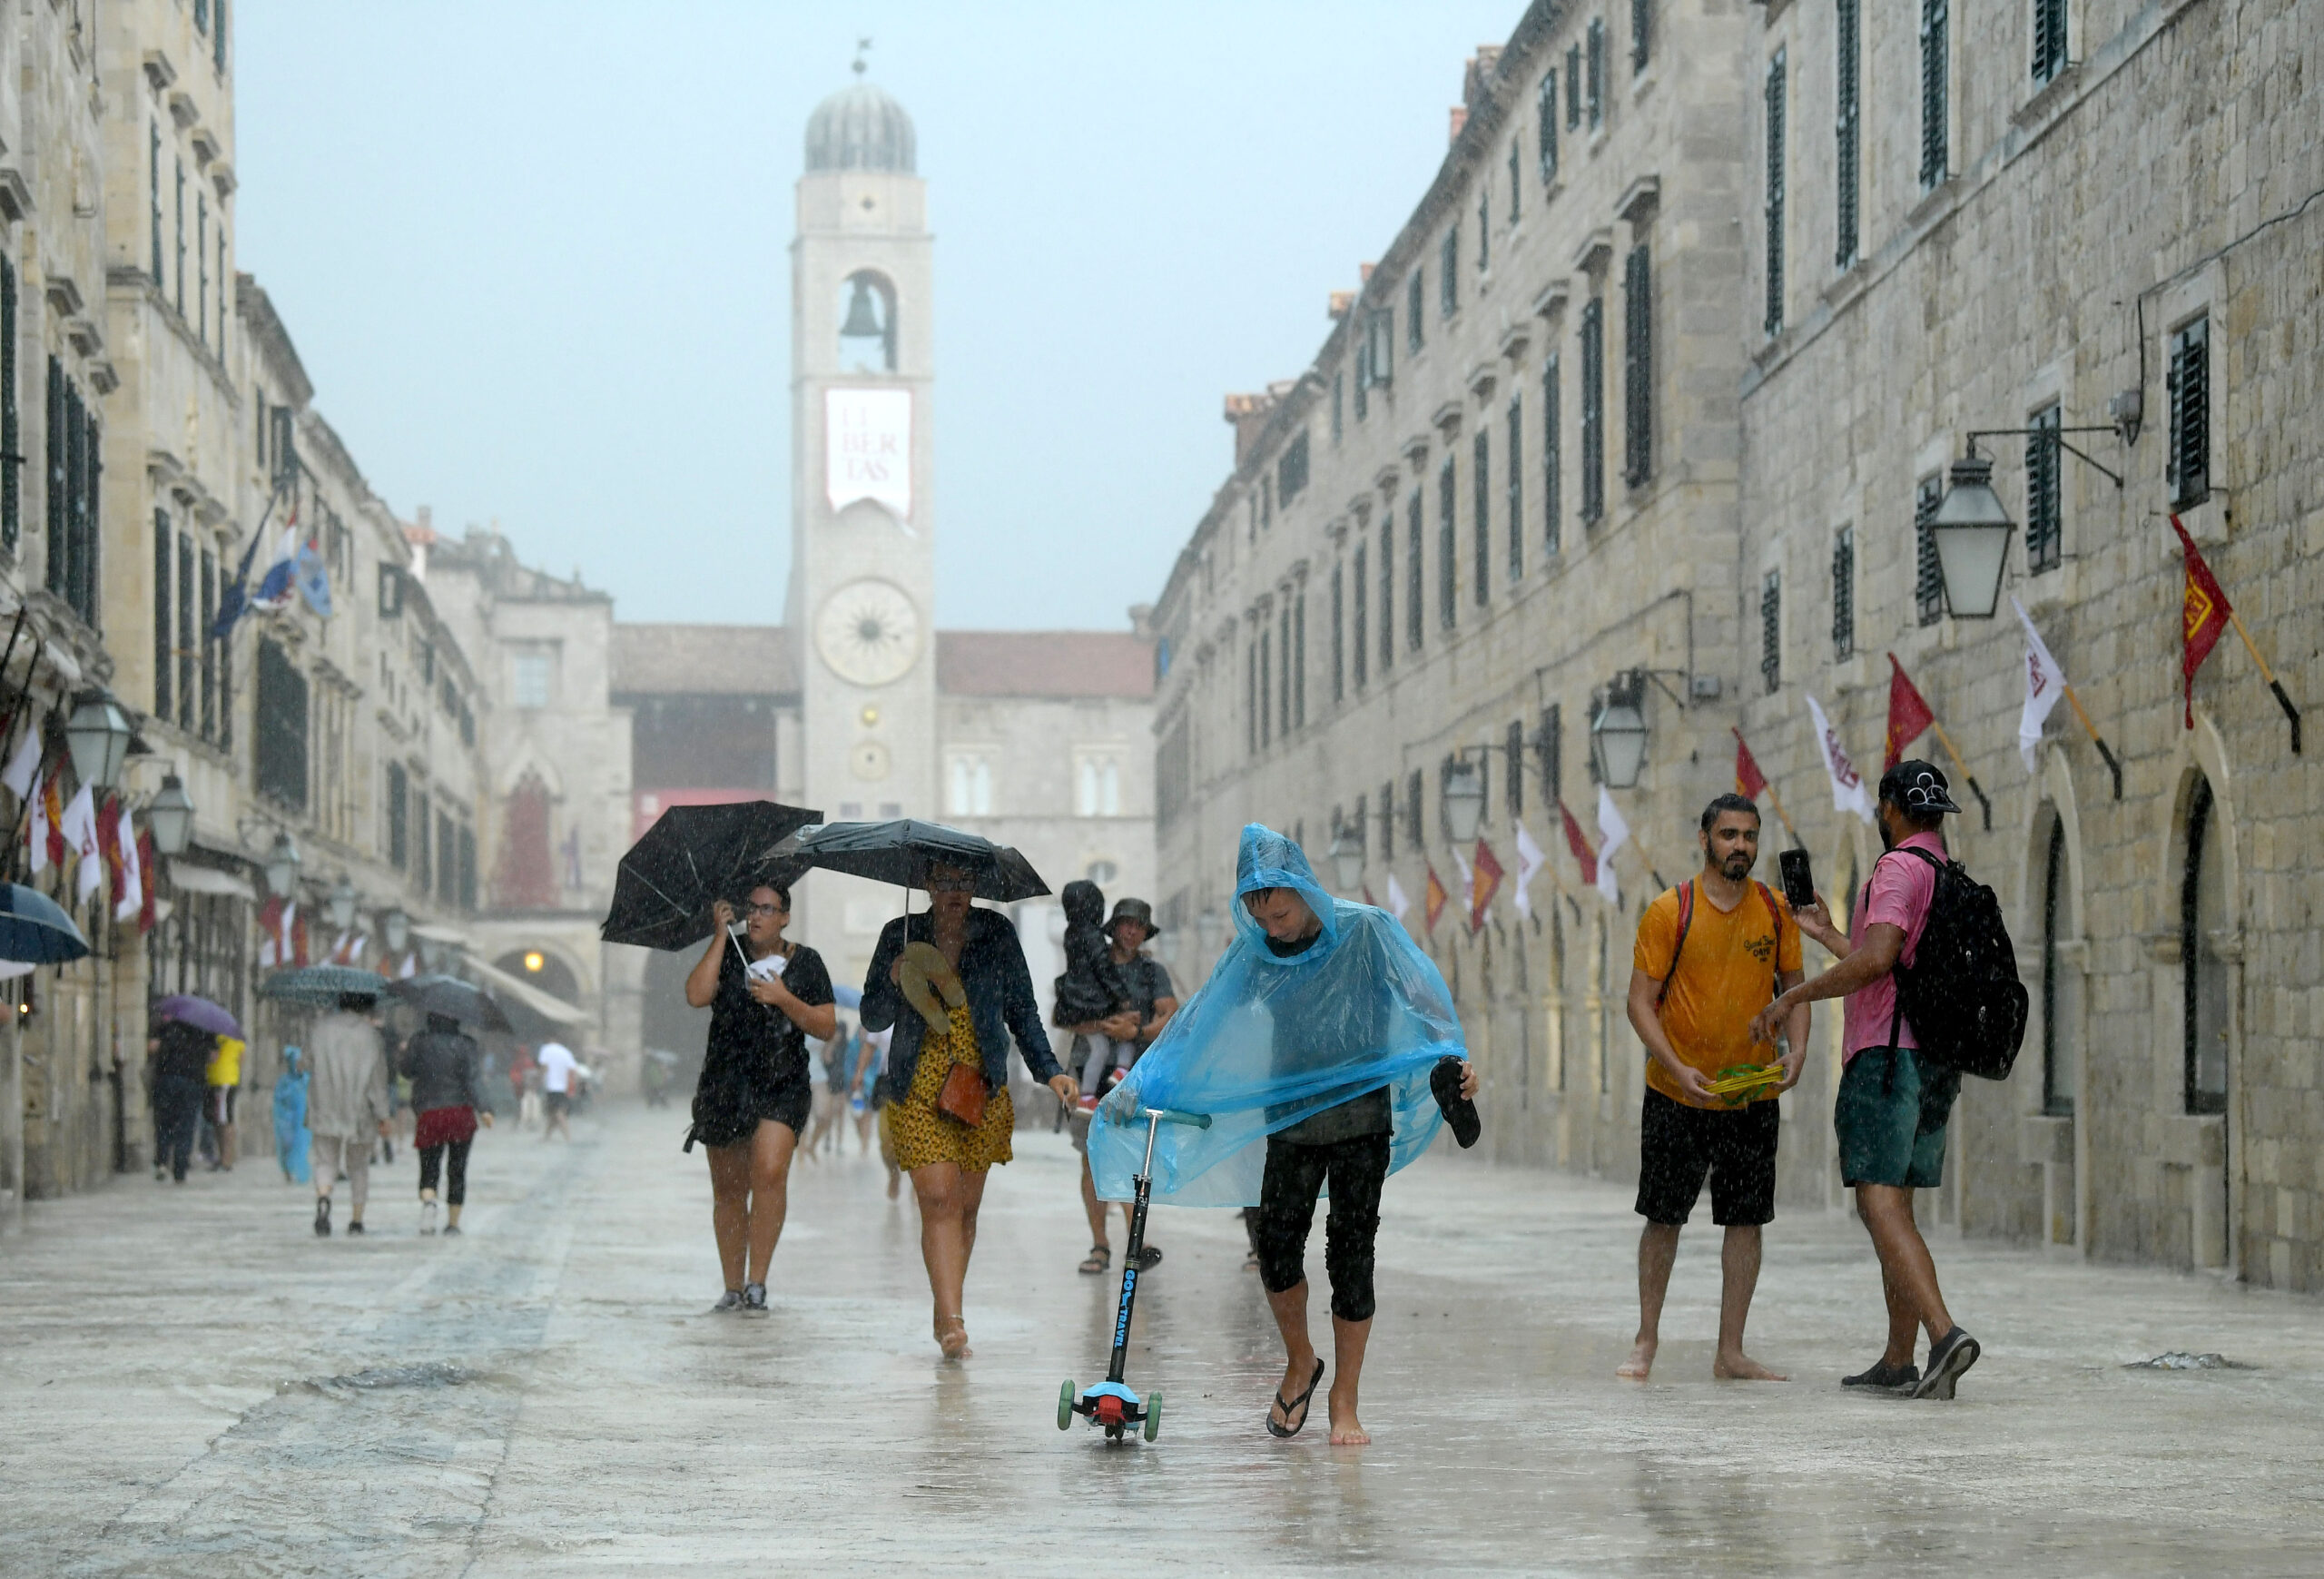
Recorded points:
(1749, 782)
(1487, 884)
(1909, 715)
(1584, 855)
(1436, 896)
(2205, 615)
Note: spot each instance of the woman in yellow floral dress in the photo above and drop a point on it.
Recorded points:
(987, 1001)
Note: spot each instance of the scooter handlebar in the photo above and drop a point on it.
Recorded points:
(1172, 1116)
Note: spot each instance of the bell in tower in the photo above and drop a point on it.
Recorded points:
(867, 335)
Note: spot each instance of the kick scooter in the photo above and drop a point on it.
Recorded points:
(1109, 1403)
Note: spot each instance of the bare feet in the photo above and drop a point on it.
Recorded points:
(1742, 1367)
(952, 1338)
(1641, 1361)
(1347, 1431)
(892, 1181)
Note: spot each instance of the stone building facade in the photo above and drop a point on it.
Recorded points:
(1503, 493)
(2044, 214)
(1875, 230)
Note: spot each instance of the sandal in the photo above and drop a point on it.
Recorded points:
(1299, 1402)
(1100, 1257)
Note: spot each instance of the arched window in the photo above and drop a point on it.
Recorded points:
(867, 325)
(2061, 1048)
(2202, 893)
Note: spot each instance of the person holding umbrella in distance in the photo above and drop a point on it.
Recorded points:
(766, 997)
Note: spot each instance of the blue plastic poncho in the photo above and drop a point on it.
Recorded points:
(290, 1138)
(1271, 1040)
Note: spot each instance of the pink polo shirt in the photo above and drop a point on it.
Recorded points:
(1900, 893)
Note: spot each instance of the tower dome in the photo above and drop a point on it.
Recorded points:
(859, 128)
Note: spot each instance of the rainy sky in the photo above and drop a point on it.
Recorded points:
(534, 256)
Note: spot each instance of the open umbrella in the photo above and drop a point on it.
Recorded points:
(451, 996)
(692, 858)
(901, 852)
(198, 1012)
(320, 985)
(34, 929)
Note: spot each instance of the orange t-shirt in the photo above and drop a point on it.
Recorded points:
(1727, 974)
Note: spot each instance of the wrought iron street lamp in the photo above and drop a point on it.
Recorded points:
(397, 929)
(1618, 734)
(1971, 531)
(1464, 800)
(343, 901)
(98, 736)
(283, 863)
(1347, 859)
(170, 815)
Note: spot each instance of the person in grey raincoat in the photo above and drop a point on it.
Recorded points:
(346, 1105)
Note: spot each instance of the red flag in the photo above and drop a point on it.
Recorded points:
(2206, 614)
(109, 847)
(1436, 897)
(1908, 715)
(1582, 853)
(1487, 884)
(148, 863)
(53, 803)
(1749, 782)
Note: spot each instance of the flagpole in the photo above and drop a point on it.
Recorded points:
(2267, 675)
(1785, 817)
(1962, 768)
(2096, 739)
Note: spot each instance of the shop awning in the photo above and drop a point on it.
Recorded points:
(516, 990)
(196, 879)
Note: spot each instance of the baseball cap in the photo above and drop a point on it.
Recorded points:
(1918, 786)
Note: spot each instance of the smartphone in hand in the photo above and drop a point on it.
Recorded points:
(1799, 881)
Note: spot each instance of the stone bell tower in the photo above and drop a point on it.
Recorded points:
(861, 607)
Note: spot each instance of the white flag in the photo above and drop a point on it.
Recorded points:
(132, 875)
(1529, 860)
(80, 826)
(1468, 881)
(1612, 835)
(36, 829)
(25, 765)
(2045, 684)
(1397, 903)
(1849, 792)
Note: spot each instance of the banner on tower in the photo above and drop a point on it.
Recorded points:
(866, 448)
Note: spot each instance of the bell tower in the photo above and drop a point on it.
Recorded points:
(860, 608)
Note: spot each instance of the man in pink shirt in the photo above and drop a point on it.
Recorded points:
(1892, 1104)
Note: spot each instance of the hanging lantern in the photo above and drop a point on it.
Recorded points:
(1971, 531)
(1464, 800)
(170, 815)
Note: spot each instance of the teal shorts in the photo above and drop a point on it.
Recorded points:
(1891, 1117)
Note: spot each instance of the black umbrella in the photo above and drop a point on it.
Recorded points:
(34, 929)
(449, 995)
(320, 985)
(901, 852)
(691, 859)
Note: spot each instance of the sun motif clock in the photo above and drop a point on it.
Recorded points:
(868, 631)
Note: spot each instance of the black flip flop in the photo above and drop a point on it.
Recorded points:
(1299, 1402)
(1445, 1080)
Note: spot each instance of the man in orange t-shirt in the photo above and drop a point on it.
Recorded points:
(1710, 958)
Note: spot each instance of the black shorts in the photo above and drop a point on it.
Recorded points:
(1679, 1144)
(557, 1102)
(730, 1113)
(1355, 1170)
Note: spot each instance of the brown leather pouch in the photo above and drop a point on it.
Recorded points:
(963, 1097)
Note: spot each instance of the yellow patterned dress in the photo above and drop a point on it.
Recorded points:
(923, 1134)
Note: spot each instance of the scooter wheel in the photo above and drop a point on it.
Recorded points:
(1153, 1415)
(1065, 1406)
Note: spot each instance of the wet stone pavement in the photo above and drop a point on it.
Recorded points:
(191, 1383)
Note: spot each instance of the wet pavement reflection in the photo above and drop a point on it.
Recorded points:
(193, 1384)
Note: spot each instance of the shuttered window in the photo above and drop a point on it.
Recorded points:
(73, 461)
(1387, 589)
(1928, 574)
(1573, 88)
(1416, 294)
(165, 555)
(1250, 698)
(2049, 39)
(281, 733)
(1512, 465)
(1360, 607)
(1596, 40)
(1448, 570)
(1552, 745)
(1415, 833)
(399, 824)
(212, 653)
(1448, 273)
(1485, 230)
(1546, 138)
(1299, 661)
(1339, 405)
(1415, 580)
(154, 196)
(2044, 502)
(1771, 631)
(12, 435)
(1339, 634)
(2189, 392)
(1290, 667)
(1513, 786)
(1593, 410)
(1847, 131)
(1480, 508)
(1516, 178)
(1553, 447)
(1388, 820)
(1638, 369)
(1843, 595)
(1774, 93)
(1642, 35)
(1266, 686)
(1936, 146)
(187, 654)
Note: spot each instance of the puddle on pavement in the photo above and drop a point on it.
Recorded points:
(2179, 1359)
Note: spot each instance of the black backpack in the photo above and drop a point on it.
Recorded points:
(1962, 994)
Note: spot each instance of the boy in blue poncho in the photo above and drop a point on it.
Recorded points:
(1318, 1032)
(291, 1137)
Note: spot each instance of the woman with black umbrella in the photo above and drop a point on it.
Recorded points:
(954, 982)
(755, 1093)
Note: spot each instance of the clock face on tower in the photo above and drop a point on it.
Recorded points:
(868, 631)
